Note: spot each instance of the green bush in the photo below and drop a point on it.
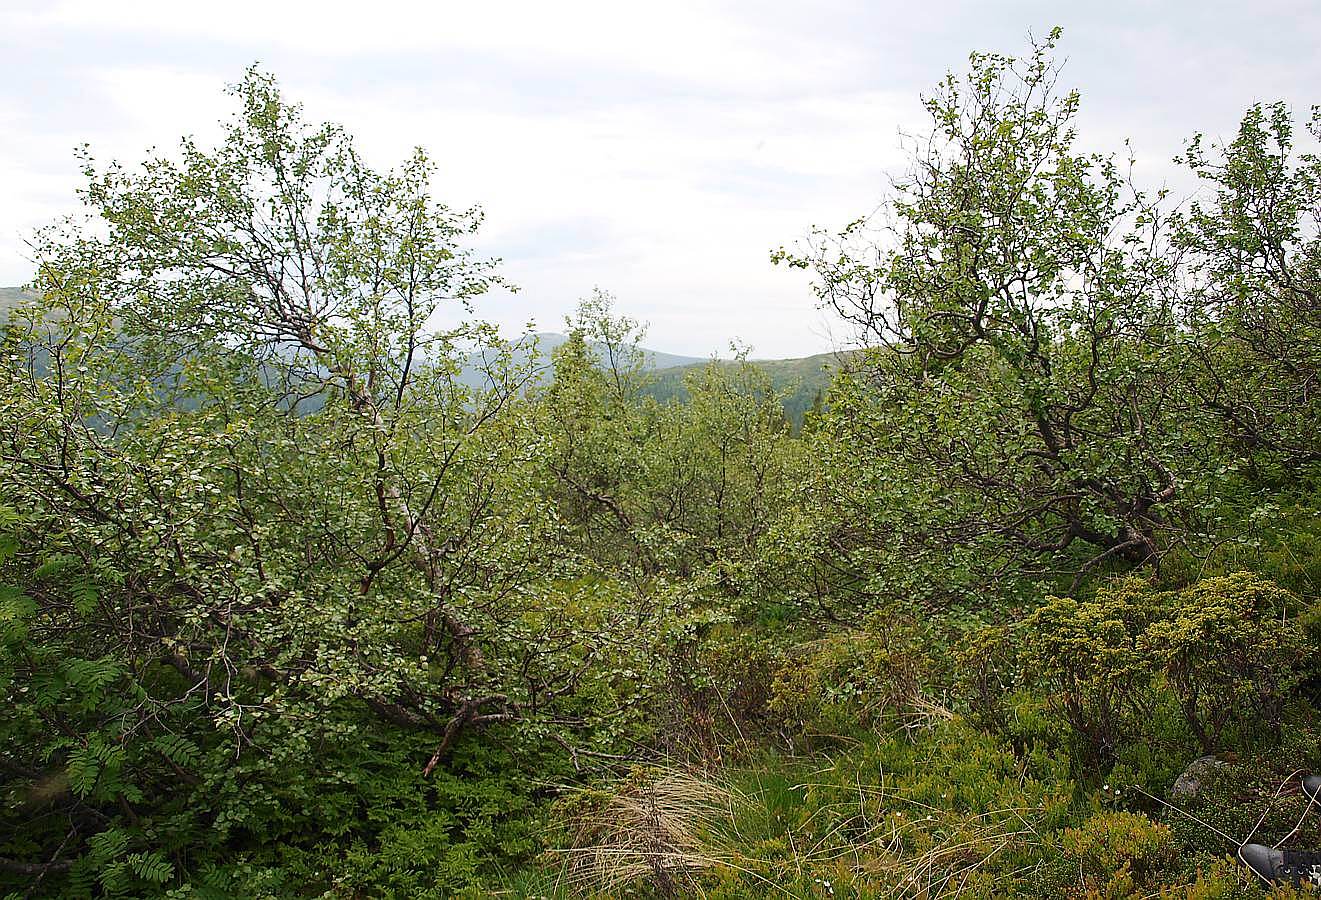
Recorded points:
(1112, 848)
(885, 675)
(1229, 652)
(988, 670)
(1224, 648)
(1089, 657)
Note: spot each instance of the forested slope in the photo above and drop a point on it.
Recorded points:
(802, 383)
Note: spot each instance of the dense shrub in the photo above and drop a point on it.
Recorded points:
(299, 598)
(988, 666)
(720, 683)
(1089, 657)
(1232, 652)
(885, 675)
(1114, 848)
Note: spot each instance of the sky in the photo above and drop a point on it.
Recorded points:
(659, 151)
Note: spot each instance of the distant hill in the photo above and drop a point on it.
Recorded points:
(547, 341)
(8, 297)
(543, 345)
(804, 379)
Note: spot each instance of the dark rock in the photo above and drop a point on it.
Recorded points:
(1189, 784)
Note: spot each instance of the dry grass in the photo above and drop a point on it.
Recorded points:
(658, 825)
(900, 847)
(668, 827)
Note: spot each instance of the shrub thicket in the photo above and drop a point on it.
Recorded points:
(295, 602)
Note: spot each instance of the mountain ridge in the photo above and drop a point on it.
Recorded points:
(803, 379)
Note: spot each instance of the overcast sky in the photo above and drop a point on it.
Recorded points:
(658, 150)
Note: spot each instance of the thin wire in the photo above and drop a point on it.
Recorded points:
(1189, 815)
(1311, 801)
(1270, 805)
(1239, 845)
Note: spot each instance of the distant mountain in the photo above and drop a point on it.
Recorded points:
(547, 341)
(541, 346)
(804, 380)
(8, 297)
(544, 344)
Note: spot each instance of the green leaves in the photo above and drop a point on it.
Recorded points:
(1067, 376)
(152, 867)
(1228, 648)
(268, 544)
(16, 608)
(94, 768)
(123, 873)
(178, 749)
(91, 677)
(265, 518)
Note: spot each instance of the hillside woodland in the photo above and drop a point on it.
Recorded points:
(289, 608)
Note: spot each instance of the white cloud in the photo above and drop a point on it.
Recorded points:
(656, 150)
(691, 41)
